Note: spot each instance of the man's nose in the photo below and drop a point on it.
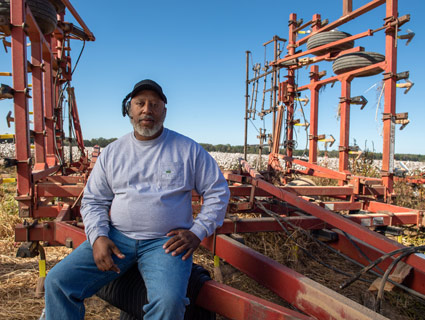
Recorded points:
(148, 107)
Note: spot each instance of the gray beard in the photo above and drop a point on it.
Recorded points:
(147, 132)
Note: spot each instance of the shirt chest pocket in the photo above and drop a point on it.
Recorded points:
(171, 174)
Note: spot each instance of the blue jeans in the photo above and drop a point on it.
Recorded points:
(77, 277)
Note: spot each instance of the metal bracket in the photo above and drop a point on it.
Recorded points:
(387, 116)
(359, 100)
(349, 148)
(24, 26)
(385, 173)
(8, 162)
(325, 22)
(289, 63)
(6, 92)
(398, 118)
(421, 219)
(28, 250)
(402, 75)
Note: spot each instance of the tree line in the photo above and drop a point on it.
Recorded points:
(103, 142)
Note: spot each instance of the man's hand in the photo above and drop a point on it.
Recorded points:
(181, 241)
(103, 248)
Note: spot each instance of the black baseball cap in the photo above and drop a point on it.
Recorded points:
(148, 84)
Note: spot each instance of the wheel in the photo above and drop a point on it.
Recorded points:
(128, 293)
(356, 60)
(326, 37)
(42, 10)
(59, 6)
(301, 182)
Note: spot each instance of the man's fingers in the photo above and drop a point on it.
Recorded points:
(179, 248)
(108, 265)
(188, 254)
(117, 251)
(115, 268)
(174, 246)
(169, 242)
(172, 232)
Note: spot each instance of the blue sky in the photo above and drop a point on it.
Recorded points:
(196, 51)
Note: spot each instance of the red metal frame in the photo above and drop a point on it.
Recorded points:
(305, 294)
(47, 83)
(235, 304)
(290, 88)
(52, 188)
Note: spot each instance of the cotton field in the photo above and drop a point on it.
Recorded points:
(229, 161)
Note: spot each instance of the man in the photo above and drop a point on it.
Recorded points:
(137, 209)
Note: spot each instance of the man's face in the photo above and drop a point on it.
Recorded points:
(147, 113)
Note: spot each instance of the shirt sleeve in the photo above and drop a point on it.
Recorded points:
(211, 185)
(97, 201)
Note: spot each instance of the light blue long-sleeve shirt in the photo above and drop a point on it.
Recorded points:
(144, 188)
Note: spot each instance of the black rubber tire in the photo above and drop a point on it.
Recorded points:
(58, 4)
(326, 37)
(42, 10)
(356, 60)
(128, 293)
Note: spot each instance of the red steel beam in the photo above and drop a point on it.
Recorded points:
(41, 174)
(347, 7)
(310, 222)
(56, 190)
(69, 235)
(303, 293)
(343, 205)
(291, 94)
(392, 210)
(37, 52)
(66, 179)
(344, 131)
(375, 206)
(41, 232)
(364, 234)
(354, 14)
(380, 65)
(20, 86)
(45, 231)
(303, 191)
(76, 120)
(314, 114)
(38, 104)
(269, 224)
(49, 107)
(235, 304)
(79, 19)
(46, 211)
(331, 173)
(388, 148)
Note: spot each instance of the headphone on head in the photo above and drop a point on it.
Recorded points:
(126, 105)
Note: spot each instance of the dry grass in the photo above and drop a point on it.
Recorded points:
(277, 246)
(18, 277)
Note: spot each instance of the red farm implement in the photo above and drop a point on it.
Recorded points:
(50, 186)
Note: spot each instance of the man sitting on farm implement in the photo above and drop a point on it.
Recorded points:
(137, 209)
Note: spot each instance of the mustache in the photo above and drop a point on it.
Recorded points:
(145, 118)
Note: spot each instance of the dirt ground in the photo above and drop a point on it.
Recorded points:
(18, 277)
